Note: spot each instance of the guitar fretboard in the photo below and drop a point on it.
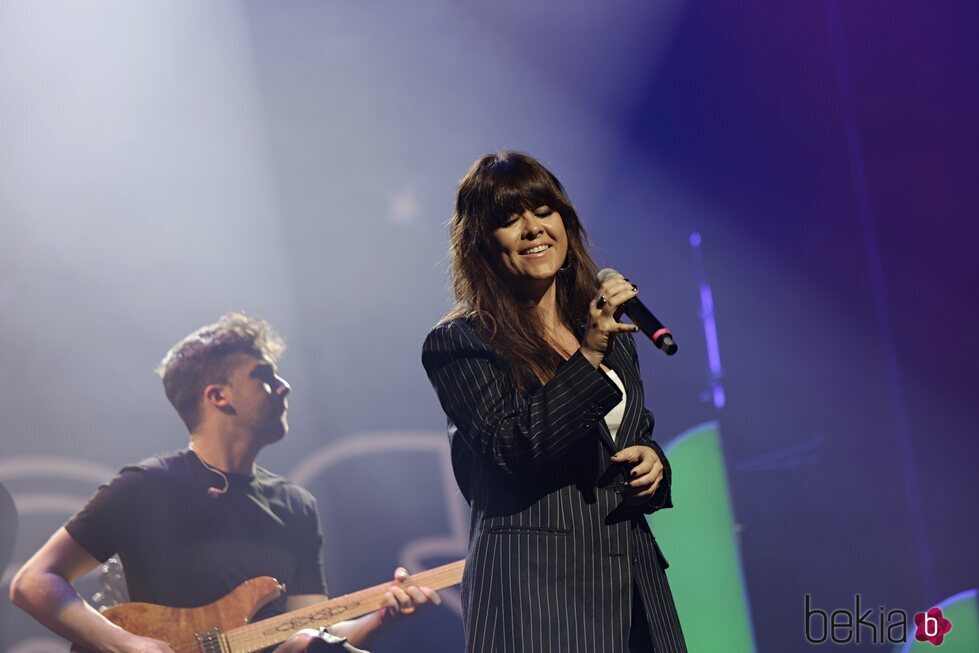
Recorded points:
(268, 632)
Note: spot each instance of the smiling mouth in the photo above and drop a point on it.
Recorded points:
(535, 250)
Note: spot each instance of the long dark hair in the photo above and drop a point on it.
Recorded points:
(496, 186)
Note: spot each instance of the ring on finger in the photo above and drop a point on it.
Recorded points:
(601, 302)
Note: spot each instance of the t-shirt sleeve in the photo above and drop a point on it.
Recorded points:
(309, 565)
(101, 526)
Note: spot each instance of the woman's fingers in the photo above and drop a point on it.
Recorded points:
(622, 327)
(641, 469)
(613, 294)
(645, 471)
(604, 311)
(647, 490)
(647, 478)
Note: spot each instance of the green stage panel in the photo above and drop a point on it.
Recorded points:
(698, 538)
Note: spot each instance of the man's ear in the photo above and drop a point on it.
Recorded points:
(218, 395)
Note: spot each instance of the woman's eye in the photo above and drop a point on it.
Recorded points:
(543, 212)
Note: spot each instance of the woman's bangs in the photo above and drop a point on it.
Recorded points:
(510, 199)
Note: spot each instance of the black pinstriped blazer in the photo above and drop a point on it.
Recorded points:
(553, 550)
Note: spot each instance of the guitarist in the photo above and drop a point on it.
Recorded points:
(191, 526)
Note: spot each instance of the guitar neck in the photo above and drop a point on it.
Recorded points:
(268, 632)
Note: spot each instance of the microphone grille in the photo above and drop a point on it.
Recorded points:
(608, 273)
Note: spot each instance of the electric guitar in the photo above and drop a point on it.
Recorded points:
(224, 626)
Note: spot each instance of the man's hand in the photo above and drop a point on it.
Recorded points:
(401, 599)
(645, 474)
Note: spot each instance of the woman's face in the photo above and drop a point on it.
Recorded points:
(531, 246)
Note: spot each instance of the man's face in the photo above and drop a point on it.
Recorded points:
(258, 397)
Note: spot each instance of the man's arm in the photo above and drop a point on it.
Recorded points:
(43, 589)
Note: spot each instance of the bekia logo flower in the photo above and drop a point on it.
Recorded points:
(931, 626)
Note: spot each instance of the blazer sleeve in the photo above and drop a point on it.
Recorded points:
(663, 497)
(514, 431)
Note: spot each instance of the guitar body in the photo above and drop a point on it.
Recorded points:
(179, 626)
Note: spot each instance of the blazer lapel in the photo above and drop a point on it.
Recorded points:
(628, 429)
(606, 436)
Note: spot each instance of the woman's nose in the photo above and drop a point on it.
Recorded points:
(533, 227)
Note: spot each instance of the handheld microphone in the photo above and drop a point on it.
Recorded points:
(643, 318)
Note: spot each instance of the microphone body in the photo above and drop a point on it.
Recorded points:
(643, 318)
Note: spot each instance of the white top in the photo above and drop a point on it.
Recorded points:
(613, 419)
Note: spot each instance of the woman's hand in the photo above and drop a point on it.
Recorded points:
(646, 471)
(602, 322)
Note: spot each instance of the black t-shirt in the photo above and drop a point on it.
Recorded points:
(180, 547)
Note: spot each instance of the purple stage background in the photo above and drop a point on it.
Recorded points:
(164, 162)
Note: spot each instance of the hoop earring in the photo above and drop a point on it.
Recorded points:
(568, 264)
